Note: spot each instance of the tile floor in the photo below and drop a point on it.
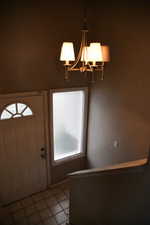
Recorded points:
(50, 207)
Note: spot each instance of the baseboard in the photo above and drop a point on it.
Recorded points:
(59, 183)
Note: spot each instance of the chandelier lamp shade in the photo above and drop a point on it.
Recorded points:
(67, 52)
(91, 57)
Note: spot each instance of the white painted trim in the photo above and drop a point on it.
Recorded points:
(79, 155)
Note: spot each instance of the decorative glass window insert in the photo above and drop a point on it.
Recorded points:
(16, 110)
(68, 123)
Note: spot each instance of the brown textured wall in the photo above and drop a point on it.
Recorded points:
(31, 34)
(61, 172)
(119, 196)
(119, 106)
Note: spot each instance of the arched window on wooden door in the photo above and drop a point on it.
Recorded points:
(15, 110)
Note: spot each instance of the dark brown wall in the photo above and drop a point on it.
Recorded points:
(31, 34)
(61, 172)
(119, 106)
(119, 196)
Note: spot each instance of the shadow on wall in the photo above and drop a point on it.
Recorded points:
(119, 106)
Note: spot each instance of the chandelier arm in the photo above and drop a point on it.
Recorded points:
(90, 66)
(82, 45)
(78, 58)
(77, 69)
(84, 42)
(102, 75)
(100, 67)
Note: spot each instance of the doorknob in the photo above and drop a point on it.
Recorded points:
(43, 153)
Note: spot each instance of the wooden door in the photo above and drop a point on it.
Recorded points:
(22, 143)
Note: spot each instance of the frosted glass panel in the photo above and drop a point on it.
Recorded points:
(68, 115)
(21, 107)
(5, 115)
(12, 108)
(27, 112)
(17, 115)
(16, 110)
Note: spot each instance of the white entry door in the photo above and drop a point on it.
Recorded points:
(22, 146)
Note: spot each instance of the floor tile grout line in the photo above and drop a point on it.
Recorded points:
(20, 201)
(49, 193)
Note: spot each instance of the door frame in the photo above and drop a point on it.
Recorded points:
(85, 122)
(44, 94)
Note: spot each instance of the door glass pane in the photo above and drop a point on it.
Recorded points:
(17, 115)
(21, 107)
(68, 117)
(5, 115)
(12, 108)
(16, 110)
(27, 112)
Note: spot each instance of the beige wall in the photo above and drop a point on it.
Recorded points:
(119, 106)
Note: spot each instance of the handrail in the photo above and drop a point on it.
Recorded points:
(129, 164)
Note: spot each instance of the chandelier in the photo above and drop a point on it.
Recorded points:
(90, 59)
